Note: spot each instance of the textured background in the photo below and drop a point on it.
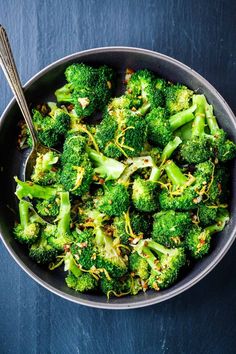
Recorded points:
(202, 320)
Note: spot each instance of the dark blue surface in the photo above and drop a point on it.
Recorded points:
(202, 320)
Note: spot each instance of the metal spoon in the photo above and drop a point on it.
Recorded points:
(8, 65)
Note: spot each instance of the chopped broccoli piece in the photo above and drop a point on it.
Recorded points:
(170, 228)
(139, 266)
(45, 170)
(177, 98)
(28, 230)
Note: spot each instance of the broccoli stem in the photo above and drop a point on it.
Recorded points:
(199, 121)
(159, 249)
(219, 226)
(31, 190)
(64, 214)
(211, 119)
(155, 174)
(174, 173)
(181, 118)
(170, 148)
(106, 167)
(150, 258)
(24, 212)
(143, 109)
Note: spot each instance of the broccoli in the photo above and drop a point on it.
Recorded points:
(83, 249)
(28, 230)
(77, 178)
(161, 126)
(121, 132)
(198, 148)
(170, 228)
(165, 263)
(142, 84)
(198, 240)
(115, 200)
(218, 189)
(74, 146)
(77, 279)
(185, 193)
(177, 98)
(88, 88)
(139, 266)
(130, 227)
(46, 170)
(77, 172)
(42, 252)
(105, 167)
(59, 235)
(224, 149)
(52, 126)
(33, 190)
(48, 207)
(207, 213)
(145, 192)
(114, 286)
(108, 255)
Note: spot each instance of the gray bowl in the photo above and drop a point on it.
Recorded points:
(39, 89)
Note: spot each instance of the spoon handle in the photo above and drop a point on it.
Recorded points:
(10, 71)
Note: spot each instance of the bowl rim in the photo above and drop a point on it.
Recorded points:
(161, 297)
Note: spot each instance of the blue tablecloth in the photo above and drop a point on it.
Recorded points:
(202, 320)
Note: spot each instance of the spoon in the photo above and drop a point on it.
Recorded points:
(9, 68)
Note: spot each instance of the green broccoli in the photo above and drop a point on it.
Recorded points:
(48, 207)
(139, 266)
(88, 88)
(33, 190)
(45, 170)
(59, 235)
(185, 193)
(198, 240)
(51, 126)
(177, 98)
(28, 230)
(224, 149)
(42, 252)
(165, 263)
(131, 226)
(161, 126)
(105, 167)
(170, 228)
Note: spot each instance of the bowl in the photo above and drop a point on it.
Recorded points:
(40, 88)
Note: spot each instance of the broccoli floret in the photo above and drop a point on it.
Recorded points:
(224, 148)
(45, 170)
(131, 226)
(59, 235)
(142, 84)
(48, 207)
(52, 127)
(219, 189)
(185, 193)
(170, 228)
(121, 132)
(32, 190)
(165, 263)
(177, 98)
(198, 240)
(198, 148)
(108, 255)
(105, 167)
(83, 249)
(207, 213)
(115, 200)
(27, 231)
(139, 266)
(161, 126)
(145, 193)
(77, 178)
(114, 286)
(73, 148)
(88, 88)
(76, 279)
(42, 252)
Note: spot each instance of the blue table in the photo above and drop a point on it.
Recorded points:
(202, 320)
